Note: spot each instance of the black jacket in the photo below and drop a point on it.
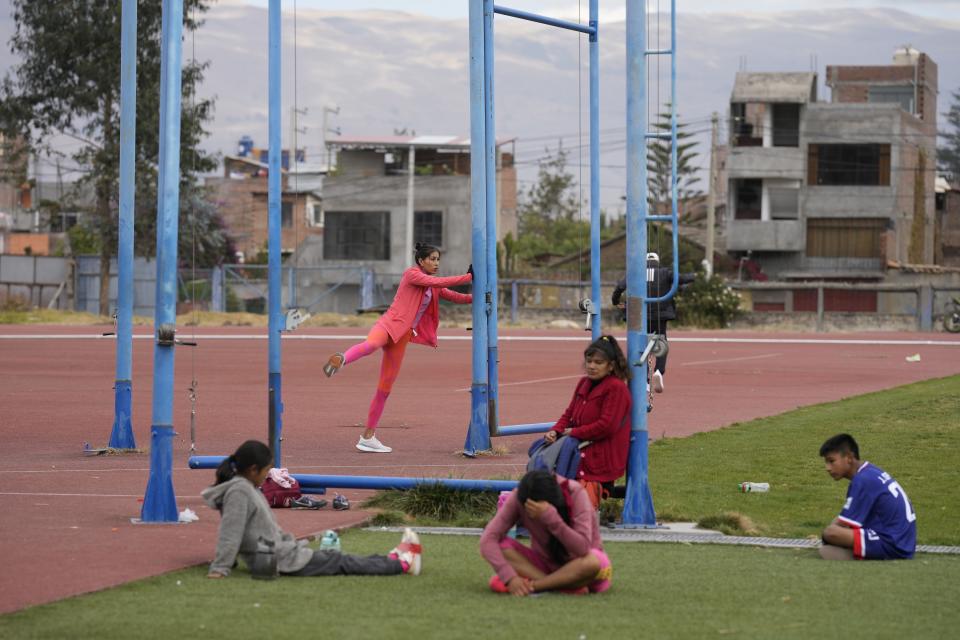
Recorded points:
(662, 279)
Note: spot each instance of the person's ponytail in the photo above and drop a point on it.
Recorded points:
(251, 453)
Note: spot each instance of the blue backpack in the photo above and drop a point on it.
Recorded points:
(561, 457)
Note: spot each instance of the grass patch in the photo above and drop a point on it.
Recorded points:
(434, 504)
(659, 591)
(912, 432)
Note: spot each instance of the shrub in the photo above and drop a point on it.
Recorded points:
(708, 303)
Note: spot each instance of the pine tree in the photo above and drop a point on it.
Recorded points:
(658, 166)
(67, 82)
(948, 155)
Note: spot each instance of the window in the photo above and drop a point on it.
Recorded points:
(786, 125)
(845, 237)
(315, 215)
(784, 199)
(848, 164)
(748, 199)
(428, 227)
(356, 235)
(286, 215)
(902, 95)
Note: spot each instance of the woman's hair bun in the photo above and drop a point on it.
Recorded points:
(418, 246)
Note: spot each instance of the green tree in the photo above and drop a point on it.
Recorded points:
(948, 155)
(67, 82)
(658, 166)
(550, 220)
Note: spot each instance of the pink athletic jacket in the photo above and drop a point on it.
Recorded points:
(398, 319)
(581, 535)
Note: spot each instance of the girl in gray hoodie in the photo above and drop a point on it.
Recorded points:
(246, 518)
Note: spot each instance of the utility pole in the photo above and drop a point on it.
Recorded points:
(411, 173)
(326, 129)
(711, 194)
(294, 130)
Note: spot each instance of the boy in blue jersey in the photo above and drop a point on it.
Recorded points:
(877, 521)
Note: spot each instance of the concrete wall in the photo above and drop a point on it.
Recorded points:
(766, 162)
(447, 194)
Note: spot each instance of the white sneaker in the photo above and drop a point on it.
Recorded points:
(409, 551)
(372, 445)
(657, 381)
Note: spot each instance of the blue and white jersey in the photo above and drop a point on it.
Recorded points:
(878, 506)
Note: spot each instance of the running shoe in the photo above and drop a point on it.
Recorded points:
(333, 365)
(340, 503)
(408, 552)
(657, 381)
(372, 445)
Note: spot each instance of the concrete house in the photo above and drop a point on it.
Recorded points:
(371, 198)
(833, 190)
(241, 197)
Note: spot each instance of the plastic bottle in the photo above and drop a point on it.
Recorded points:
(754, 487)
(330, 541)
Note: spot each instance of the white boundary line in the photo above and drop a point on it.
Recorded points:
(535, 381)
(252, 336)
(82, 495)
(723, 360)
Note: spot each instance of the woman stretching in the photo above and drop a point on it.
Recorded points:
(566, 553)
(246, 519)
(599, 412)
(413, 316)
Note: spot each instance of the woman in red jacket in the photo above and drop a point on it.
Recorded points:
(600, 413)
(413, 316)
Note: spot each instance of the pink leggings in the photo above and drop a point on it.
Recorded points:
(378, 338)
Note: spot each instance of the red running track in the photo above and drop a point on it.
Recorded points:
(66, 518)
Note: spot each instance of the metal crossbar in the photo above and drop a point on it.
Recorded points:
(553, 22)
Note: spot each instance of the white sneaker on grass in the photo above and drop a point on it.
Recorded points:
(409, 551)
(372, 445)
(657, 381)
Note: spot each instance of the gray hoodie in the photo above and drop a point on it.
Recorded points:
(245, 517)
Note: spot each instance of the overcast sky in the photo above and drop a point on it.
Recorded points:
(945, 9)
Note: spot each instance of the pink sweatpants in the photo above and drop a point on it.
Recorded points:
(378, 338)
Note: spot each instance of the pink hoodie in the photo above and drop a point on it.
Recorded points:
(581, 535)
(398, 319)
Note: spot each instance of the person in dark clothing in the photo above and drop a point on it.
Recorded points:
(659, 280)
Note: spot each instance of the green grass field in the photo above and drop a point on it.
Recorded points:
(660, 590)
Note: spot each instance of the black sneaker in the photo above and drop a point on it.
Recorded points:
(307, 502)
(340, 503)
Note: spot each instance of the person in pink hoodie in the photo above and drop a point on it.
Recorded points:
(413, 316)
(566, 553)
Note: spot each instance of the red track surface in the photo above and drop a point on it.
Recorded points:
(66, 526)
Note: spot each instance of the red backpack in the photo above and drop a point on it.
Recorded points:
(279, 496)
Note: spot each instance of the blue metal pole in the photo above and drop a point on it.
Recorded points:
(121, 436)
(534, 17)
(159, 502)
(275, 287)
(490, 155)
(638, 503)
(478, 433)
(310, 481)
(597, 324)
(525, 429)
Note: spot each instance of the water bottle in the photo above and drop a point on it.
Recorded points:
(754, 487)
(330, 541)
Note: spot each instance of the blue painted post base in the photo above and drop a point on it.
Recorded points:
(121, 436)
(638, 504)
(478, 433)
(160, 502)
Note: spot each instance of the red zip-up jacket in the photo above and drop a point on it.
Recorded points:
(398, 319)
(600, 414)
